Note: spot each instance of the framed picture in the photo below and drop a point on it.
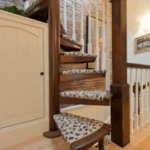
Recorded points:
(142, 44)
(93, 39)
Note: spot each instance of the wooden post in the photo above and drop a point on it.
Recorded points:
(54, 47)
(120, 116)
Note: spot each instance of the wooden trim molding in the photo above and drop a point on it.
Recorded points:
(133, 65)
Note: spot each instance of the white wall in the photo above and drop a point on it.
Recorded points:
(138, 14)
(137, 10)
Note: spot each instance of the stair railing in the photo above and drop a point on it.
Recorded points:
(26, 4)
(139, 108)
(105, 54)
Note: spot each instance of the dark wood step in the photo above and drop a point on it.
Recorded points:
(73, 77)
(106, 101)
(72, 59)
(68, 45)
(40, 9)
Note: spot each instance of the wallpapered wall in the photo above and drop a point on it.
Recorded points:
(93, 84)
(18, 3)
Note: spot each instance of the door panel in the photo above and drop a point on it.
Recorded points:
(21, 61)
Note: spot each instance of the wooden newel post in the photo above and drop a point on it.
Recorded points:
(54, 47)
(120, 116)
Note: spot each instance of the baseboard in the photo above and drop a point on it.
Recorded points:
(23, 132)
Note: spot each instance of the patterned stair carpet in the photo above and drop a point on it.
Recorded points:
(85, 94)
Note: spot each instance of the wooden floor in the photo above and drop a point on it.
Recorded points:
(145, 145)
(137, 138)
(42, 143)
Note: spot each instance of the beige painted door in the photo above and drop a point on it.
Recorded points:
(21, 61)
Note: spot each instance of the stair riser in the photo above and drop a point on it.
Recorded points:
(41, 6)
(71, 59)
(66, 100)
(68, 78)
(69, 46)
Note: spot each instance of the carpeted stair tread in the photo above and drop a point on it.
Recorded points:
(73, 127)
(78, 54)
(84, 71)
(85, 94)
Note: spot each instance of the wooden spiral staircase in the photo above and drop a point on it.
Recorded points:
(79, 132)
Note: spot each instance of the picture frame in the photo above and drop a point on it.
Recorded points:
(142, 44)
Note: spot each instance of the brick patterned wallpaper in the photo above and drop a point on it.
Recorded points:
(98, 83)
(93, 84)
(18, 3)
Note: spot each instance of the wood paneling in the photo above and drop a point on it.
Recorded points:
(21, 61)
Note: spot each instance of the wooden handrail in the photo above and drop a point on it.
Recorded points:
(133, 65)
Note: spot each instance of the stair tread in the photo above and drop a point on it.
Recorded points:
(77, 128)
(71, 40)
(78, 54)
(85, 94)
(36, 7)
(83, 71)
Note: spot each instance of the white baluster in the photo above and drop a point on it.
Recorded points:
(97, 39)
(107, 83)
(136, 104)
(141, 102)
(131, 101)
(82, 27)
(74, 28)
(103, 55)
(89, 29)
(149, 96)
(146, 102)
(26, 4)
(65, 16)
